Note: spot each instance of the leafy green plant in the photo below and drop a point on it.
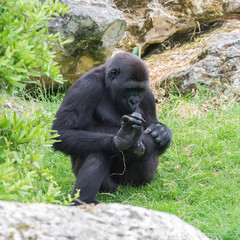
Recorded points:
(137, 51)
(24, 139)
(25, 44)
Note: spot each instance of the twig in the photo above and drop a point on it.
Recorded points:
(124, 166)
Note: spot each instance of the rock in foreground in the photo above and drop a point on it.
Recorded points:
(104, 221)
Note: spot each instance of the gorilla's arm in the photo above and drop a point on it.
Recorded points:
(74, 118)
(79, 142)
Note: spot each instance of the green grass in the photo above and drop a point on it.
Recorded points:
(197, 178)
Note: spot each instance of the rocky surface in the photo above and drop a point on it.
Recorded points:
(95, 27)
(212, 62)
(155, 21)
(112, 221)
(218, 66)
(92, 29)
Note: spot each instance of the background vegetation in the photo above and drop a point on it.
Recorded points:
(25, 52)
(197, 178)
(26, 57)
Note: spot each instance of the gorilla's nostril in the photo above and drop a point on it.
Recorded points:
(133, 100)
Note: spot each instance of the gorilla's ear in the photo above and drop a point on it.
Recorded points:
(114, 72)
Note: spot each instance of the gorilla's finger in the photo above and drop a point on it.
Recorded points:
(138, 127)
(125, 118)
(137, 116)
(131, 120)
(164, 134)
(147, 131)
(154, 133)
(162, 129)
(158, 140)
(135, 121)
(159, 130)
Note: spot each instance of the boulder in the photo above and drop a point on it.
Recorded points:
(155, 21)
(104, 221)
(210, 62)
(92, 29)
(218, 66)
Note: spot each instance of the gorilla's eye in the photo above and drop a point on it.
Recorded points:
(114, 72)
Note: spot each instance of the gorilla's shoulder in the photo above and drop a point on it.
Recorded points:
(97, 75)
(90, 84)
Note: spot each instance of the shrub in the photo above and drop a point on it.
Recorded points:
(24, 138)
(25, 44)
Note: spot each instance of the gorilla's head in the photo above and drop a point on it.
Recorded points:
(127, 79)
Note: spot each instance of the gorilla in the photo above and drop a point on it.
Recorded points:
(107, 124)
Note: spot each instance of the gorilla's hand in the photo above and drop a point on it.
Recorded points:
(129, 132)
(160, 133)
(138, 149)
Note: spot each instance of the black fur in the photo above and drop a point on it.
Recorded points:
(107, 124)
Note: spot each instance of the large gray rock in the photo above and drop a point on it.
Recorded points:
(93, 28)
(217, 67)
(211, 62)
(155, 21)
(112, 221)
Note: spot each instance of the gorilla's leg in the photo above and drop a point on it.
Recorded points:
(142, 171)
(147, 168)
(76, 164)
(108, 185)
(90, 177)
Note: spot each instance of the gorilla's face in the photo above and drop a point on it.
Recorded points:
(127, 79)
(129, 96)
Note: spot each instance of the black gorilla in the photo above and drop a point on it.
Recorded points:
(107, 124)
